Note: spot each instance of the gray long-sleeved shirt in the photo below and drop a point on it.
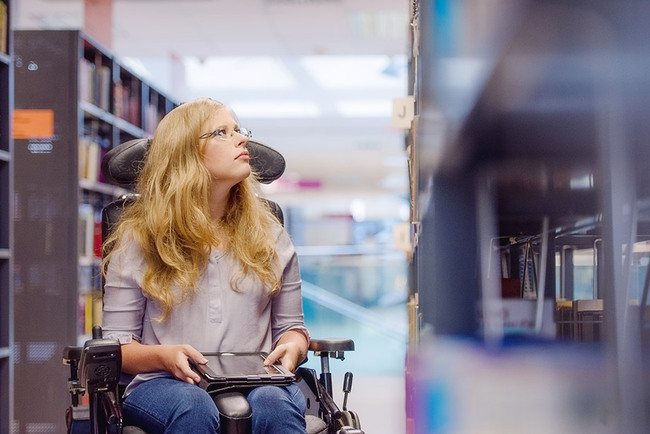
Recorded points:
(217, 318)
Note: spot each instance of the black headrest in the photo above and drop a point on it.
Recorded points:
(121, 164)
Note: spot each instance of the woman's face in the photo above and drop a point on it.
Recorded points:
(224, 149)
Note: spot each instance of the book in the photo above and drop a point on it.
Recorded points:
(3, 27)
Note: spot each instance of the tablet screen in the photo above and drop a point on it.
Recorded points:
(234, 366)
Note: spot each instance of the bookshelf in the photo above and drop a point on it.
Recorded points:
(6, 226)
(530, 147)
(74, 100)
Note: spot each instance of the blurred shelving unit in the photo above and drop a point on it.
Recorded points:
(6, 223)
(530, 149)
(74, 100)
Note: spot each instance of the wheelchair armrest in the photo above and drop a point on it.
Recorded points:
(71, 357)
(71, 354)
(333, 347)
(331, 344)
(326, 348)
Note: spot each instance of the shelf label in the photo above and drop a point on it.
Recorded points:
(402, 237)
(403, 111)
(33, 124)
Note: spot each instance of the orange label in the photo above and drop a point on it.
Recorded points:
(33, 124)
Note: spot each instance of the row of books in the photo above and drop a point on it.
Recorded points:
(126, 96)
(90, 299)
(89, 314)
(90, 231)
(95, 83)
(95, 88)
(3, 27)
(90, 279)
(91, 152)
(152, 117)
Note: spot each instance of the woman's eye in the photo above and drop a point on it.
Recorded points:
(221, 132)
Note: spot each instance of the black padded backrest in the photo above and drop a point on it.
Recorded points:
(111, 213)
(276, 210)
(121, 165)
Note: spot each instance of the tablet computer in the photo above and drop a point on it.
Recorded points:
(239, 370)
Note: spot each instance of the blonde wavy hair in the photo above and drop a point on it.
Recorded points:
(171, 223)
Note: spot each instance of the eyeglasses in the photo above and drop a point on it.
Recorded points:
(224, 134)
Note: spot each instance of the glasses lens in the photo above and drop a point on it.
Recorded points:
(223, 135)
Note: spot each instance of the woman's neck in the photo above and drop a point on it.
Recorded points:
(219, 199)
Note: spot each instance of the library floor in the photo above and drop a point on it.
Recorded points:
(379, 402)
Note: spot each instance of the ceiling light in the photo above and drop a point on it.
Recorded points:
(275, 109)
(237, 73)
(352, 72)
(365, 108)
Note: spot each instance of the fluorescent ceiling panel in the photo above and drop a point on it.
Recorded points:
(348, 72)
(237, 73)
(275, 109)
(365, 108)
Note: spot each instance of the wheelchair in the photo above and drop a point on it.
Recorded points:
(95, 368)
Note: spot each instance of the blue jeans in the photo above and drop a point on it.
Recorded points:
(167, 405)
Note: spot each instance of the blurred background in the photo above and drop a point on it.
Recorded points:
(315, 79)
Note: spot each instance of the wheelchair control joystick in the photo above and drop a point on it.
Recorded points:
(349, 420)
(347, 388)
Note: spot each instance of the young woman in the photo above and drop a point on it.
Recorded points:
(199, 264)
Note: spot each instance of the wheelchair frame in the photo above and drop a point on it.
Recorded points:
(95, 369)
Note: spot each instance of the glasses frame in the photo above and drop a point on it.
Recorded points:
(241, 131)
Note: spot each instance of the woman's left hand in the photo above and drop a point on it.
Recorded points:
(291, 350)
(287, 354)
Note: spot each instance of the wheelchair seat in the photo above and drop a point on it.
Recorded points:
(95, 368)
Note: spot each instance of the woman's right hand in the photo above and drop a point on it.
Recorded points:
(138, 358)
(175, 361)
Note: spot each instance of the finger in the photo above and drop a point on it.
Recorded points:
(186, 373)
(288, 365)
(195, 355)
(191, 376)
(273, 357)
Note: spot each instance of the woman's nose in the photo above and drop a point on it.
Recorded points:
(241, 140)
